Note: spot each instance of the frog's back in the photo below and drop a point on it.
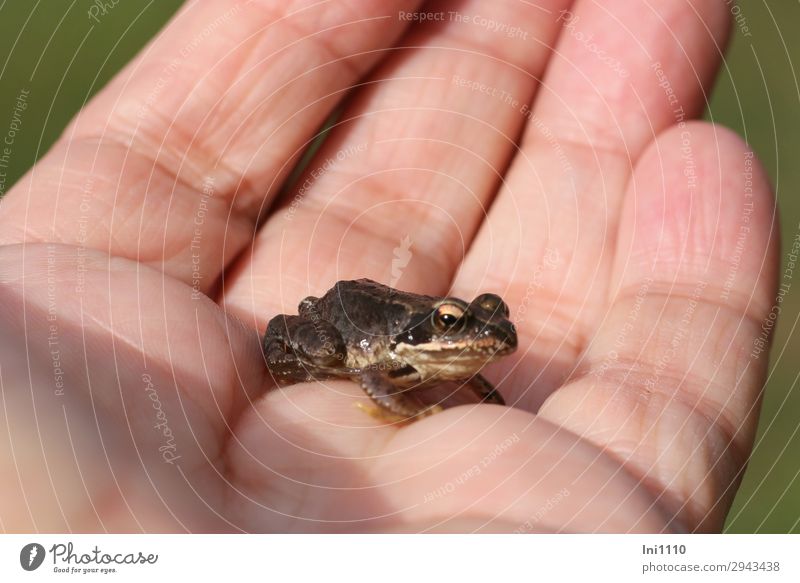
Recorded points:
(365, 307)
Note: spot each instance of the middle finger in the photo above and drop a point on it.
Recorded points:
(402, 183)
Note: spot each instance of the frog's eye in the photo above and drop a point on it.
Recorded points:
(493, 303)
(448, 317)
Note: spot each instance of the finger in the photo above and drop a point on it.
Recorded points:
(118, 394)
(671, 383)
(300, 463)
(415, 161)
(549, 241)
(172, 163)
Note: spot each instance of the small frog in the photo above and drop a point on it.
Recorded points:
(390, 342)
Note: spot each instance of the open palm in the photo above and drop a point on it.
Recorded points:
(544, 153)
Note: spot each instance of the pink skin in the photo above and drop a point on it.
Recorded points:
(611, 234)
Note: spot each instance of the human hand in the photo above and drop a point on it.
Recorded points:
(636, 249)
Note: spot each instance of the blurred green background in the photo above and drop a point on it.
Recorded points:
(52, 50)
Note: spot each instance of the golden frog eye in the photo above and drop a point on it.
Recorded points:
(448, 316)
(493, 303)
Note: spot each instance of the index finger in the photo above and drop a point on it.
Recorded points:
(191, 140)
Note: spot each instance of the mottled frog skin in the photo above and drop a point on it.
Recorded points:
(390, 342)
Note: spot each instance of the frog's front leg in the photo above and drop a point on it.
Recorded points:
(391, 400)
(485, 390)
(299, 349)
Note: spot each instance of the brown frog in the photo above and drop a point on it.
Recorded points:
(390, 342)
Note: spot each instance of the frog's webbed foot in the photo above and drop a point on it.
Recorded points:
(485, 390)
(386, 416)
(392, 403)
(282, 362)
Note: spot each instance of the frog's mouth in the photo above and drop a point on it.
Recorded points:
(494, 347)
(455, 359)
(452, 362)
